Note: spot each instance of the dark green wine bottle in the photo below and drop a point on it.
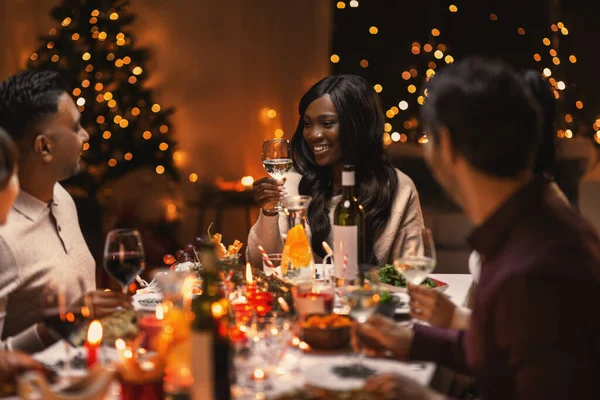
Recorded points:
(210, 334)
(348, 232)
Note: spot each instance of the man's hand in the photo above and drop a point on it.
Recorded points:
(398, 387)
(431, 306)
(103, 303)
(380, 335)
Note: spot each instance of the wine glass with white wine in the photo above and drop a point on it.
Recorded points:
(416, 257)
(277, 161)
(361, 301)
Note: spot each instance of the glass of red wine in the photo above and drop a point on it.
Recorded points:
(124, 256)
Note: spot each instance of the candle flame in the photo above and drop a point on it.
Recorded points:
(259, 374)
(94, 335)
(120, 344)
(159, 312)
(128, 353)
(249, 273)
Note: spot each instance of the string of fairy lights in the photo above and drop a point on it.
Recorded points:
(126, 125)
(401, 118)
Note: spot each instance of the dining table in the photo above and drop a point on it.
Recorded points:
(313, 368)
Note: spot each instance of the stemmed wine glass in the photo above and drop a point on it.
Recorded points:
(64, 319)
(416, 257)
(362, 300)
(277, 161)
(124, 256)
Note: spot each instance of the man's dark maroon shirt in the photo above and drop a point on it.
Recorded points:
(535, 327)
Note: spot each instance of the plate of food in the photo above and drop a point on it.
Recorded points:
(343, 373)
(392, 281)
(120, 324)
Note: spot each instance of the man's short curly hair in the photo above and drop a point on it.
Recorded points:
(27, 97)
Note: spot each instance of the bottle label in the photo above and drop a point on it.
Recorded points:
(347, 178)
(345, 243)
(202, 366)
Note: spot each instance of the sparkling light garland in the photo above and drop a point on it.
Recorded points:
(402, 123)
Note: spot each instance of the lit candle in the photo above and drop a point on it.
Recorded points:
(94, 338)
(152, 325)
(250, 285)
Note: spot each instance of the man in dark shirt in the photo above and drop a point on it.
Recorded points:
(534, 331)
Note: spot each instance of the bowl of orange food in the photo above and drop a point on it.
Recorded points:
(327, 331)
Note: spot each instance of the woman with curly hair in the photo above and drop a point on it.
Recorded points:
(341, 122)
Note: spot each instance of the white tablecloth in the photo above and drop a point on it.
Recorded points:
(458, 286)
(314, 366)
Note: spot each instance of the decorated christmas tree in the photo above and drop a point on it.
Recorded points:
(95, 51)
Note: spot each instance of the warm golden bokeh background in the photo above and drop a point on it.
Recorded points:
(234, 72)
(221, 67)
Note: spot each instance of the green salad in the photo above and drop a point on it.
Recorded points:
(389, 275)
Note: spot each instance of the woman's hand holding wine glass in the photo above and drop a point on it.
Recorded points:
(268, 192)
(277, 162)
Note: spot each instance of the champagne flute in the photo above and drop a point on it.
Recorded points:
(277, 161)
(416, 257)
(124, 256)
